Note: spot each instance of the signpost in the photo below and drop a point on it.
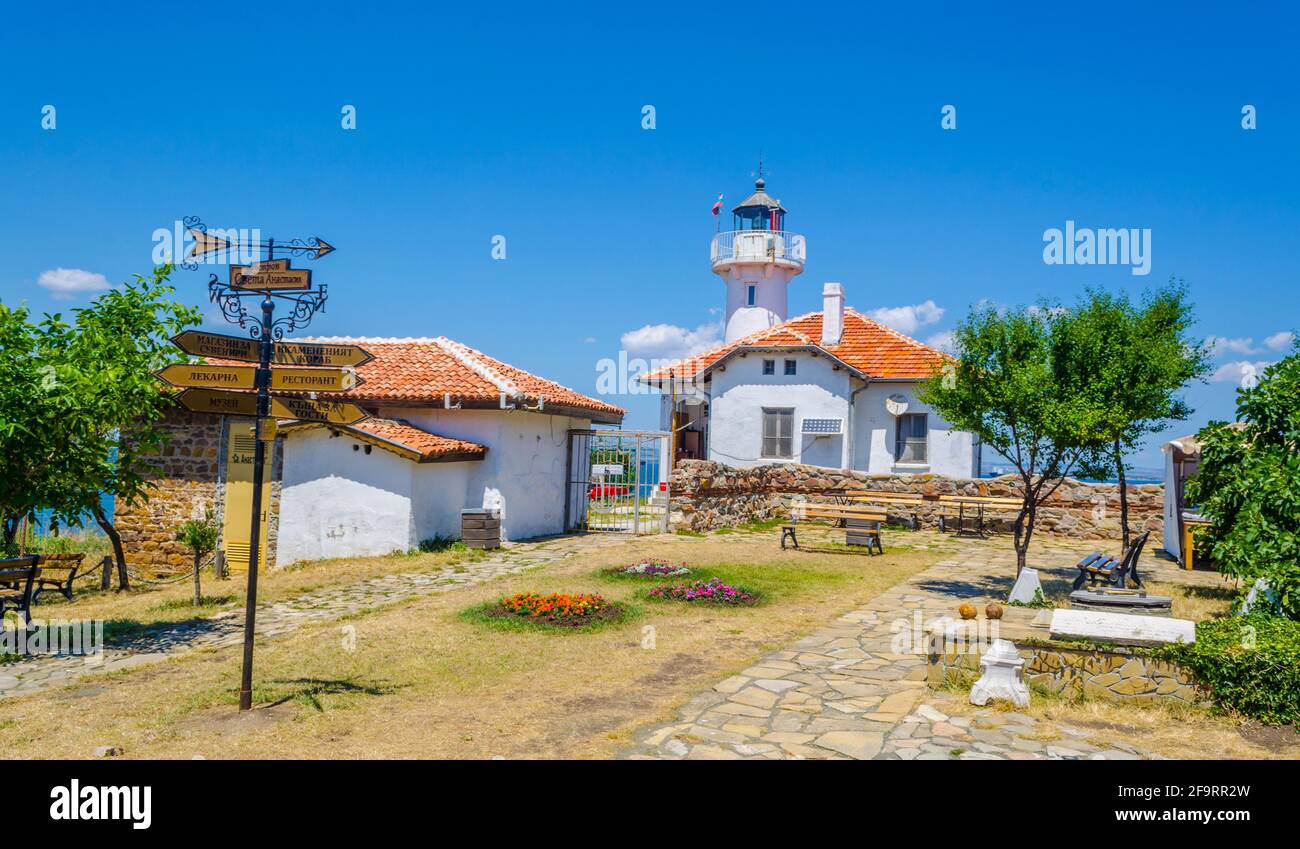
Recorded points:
(270, 279)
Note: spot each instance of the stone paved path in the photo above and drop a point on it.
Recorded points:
(283, 617)
(844, 692)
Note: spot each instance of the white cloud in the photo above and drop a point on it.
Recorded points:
(1221, 345)
(1238, 370)
(944, 341)
(588, 340)
(63, 283)
(668, 341)
(910, 318)
(1279, 341)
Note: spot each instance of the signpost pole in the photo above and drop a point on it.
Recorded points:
(259, 463)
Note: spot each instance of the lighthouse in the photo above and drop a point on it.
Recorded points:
(756, 260)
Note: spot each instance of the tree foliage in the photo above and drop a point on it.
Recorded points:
(1017, 385)
(1248, 484)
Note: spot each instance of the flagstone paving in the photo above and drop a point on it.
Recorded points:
(847, 691)
(280, 618)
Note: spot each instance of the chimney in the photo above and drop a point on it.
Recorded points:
(832, 313)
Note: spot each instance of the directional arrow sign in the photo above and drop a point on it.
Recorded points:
(205, 244)
(313, 379)
(212, 377)
(271, 274)
(225, 403)
(217, 346)
(315, 354)
(333, 412)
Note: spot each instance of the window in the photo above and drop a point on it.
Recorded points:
(913, 439)
(749, 295)
(778, 433)
(769, 366)
(789, 366)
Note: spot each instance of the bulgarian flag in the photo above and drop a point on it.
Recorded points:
(717, 204)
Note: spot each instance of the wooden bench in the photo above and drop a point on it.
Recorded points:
(887, 501)
(978, 503)
(17, 578)
(57, 573)
(861, 525)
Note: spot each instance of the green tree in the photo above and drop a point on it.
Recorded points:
(85, 406)
(200, 536)
(1248, 484)
(1133, 360)
(1014, 385)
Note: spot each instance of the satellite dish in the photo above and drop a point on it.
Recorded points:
(896, 404)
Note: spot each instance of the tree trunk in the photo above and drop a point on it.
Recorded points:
(1023, 532)
(118, 552)
(198, 593)
(1123, 493)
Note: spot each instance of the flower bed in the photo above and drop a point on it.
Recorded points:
(561, 610)
(712, 591)
(653, 568)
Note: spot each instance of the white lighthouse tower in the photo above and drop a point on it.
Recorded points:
(757, 260)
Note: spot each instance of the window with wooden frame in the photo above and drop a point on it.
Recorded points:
(911, 446)
(778, 433)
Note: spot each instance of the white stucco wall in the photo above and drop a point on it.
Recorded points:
(741, 391)
(771, 298)
(337, 502)
(523, 472)
(951, 452)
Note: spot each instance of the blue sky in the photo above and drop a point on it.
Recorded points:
(526, 121)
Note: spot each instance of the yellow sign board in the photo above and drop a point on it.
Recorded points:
(333, 412)
(289, 379)
(269, 274)
(210, 377)
(221, 403)
(320, 354)
(217, 346)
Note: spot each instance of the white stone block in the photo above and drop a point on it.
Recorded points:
(1121, 629)
(1027, 587)
(1003, 676)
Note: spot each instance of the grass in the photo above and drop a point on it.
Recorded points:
(424, 679)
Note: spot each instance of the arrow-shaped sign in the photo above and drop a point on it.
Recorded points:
(211, 377)
(332, 412)
(323, 247)
(290, 379)
(315, 354)
(245, 404)
(205, 244)
(223, 403)
(217, 346)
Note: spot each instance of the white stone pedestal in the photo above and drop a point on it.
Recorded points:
(1003, 676)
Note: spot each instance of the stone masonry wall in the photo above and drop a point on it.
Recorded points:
(708, 495)
(1115, 674)
(188, 474)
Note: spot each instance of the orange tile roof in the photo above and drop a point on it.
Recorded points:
(877, 351)
(425, 371)
(403, 438)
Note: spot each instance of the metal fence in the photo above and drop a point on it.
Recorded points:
(617, 480)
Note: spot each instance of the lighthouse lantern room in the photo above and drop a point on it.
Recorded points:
(757, 260)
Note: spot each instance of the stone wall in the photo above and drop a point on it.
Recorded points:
(708, 495)
(1116, 674)
(188, 474)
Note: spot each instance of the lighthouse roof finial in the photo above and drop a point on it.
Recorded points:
(760, 197)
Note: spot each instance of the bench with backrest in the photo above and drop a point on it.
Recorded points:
(861, 525)
(1111, 571)
(57, 573)
(976, 503)
(17, 578)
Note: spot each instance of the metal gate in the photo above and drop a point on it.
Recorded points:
(617, 480)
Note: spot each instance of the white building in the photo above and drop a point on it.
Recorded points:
(452, 429)
(832, 388)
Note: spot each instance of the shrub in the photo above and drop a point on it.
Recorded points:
(1248, 485)
(438, 542)
(1250, 664)
(712, 591)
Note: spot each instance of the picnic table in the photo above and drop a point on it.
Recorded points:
(977, 504)
(861, 525)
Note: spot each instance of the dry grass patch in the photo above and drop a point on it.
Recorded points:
(421, 680)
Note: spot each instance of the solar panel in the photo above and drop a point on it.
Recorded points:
(822, 426)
